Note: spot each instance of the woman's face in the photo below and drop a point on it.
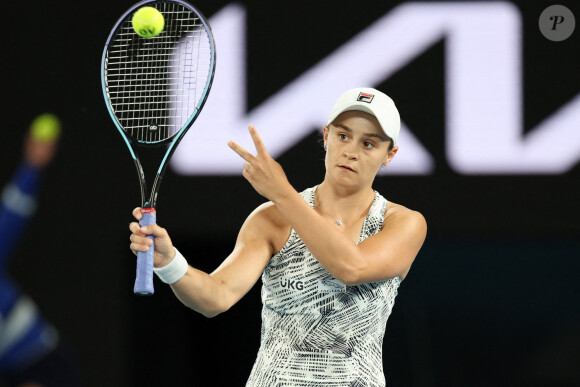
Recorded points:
(356, 148)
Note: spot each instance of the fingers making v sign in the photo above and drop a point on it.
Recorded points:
(262, 171)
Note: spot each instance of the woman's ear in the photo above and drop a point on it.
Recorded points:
(325, 136)
(390, 156)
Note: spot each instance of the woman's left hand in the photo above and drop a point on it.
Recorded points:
(262, 171)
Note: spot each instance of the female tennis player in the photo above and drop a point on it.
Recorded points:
(331, 258)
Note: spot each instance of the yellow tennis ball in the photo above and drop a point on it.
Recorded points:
(148, 22)
(45, 128)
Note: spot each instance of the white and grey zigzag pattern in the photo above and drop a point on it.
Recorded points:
(315, 330)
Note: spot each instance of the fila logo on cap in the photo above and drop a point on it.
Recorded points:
(365, 97)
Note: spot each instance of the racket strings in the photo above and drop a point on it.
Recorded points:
(155, 85)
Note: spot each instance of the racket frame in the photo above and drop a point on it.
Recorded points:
(145, 286)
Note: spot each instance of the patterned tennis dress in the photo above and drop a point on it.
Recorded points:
(316, 331)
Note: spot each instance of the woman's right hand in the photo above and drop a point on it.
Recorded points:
(164, 251)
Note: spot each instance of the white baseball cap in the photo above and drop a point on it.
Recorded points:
(371, 101)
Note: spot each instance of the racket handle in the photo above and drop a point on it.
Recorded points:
(144, 279)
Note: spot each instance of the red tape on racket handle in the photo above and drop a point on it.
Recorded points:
(144, 279)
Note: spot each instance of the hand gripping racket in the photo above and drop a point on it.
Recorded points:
(154, 89)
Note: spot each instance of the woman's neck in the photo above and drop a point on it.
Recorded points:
(343, 205)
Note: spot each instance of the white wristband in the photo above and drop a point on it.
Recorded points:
(173, 271)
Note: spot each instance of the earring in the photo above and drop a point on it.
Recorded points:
(325, 147)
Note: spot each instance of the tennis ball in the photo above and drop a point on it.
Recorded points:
(45, 128)
(148, 22)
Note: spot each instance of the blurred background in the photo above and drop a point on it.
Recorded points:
(489, 154)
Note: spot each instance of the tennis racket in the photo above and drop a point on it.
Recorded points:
(154, 89)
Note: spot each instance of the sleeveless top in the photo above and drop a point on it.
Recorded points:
(316, 331)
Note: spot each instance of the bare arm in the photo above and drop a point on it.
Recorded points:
(385, 255)
(211, 294)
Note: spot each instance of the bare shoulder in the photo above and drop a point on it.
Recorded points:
(408, 228)
(268, 221)
(397, 214)
(268, 213)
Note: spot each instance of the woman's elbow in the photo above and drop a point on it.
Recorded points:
(211, 314)
(350, 276)
(215, 310)
(205, 309)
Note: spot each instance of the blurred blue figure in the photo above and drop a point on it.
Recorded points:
(31, 354)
